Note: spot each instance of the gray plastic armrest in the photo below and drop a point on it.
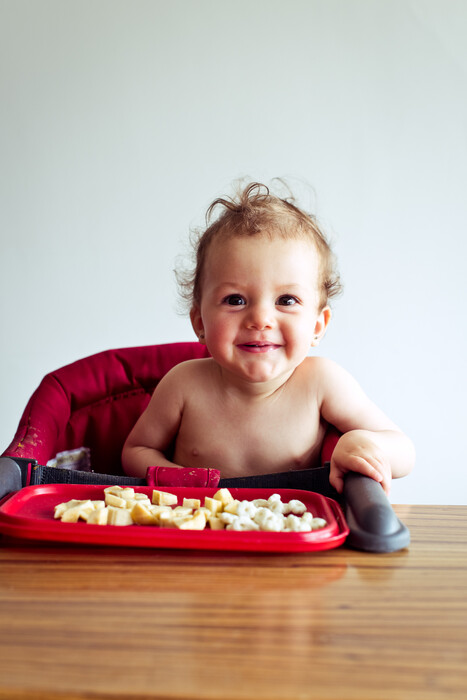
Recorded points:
(11, 476)
(374, 527)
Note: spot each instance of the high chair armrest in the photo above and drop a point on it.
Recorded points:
(374, 526)
(13, 474)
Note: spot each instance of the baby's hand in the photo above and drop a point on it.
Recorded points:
(356, 451)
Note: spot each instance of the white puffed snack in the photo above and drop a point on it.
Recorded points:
(297, 507)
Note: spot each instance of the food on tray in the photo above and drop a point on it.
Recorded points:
(122, 506)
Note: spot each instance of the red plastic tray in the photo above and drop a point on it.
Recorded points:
(29, 514)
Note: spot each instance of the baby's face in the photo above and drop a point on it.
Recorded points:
(259, 306)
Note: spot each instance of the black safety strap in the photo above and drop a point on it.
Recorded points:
(306, 479)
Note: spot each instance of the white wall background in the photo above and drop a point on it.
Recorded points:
(121, 120)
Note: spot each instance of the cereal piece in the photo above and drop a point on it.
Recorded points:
(296, 507)
(274, 498)
(318, 523)
(293, 523)
(242, 523)
(163, 498)
(275, 504)
(192, 503)
(224, 496)
(119, 516)
(246, 508)
(268, 521)
(226, 518)
(213, 504)
(261, 503)
(98, 517)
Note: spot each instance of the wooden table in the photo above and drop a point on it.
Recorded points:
(89, 622)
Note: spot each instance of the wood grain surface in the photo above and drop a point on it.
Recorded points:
(90, 622)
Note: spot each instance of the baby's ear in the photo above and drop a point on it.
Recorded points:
(197, 323)
(321, 324)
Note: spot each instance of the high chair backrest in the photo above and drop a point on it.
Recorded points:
(94, 403)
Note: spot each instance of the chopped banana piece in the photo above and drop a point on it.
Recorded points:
(71, 515)
(116, 501)
(62, 507)
(215, 523)
(196, 522)
(141, 497)
(98, 517)
(232, 507)
(180, 511)
(127, 492)
(141, 515)
(213, 504)
(98, 505)
(163, 498)
(131, 502)
(160, 509)
(119, 516)
(224, 496)
(192, 503)
(165, 518)
(115, 490)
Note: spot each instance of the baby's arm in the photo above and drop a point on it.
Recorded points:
(156, 428)
(371, 444)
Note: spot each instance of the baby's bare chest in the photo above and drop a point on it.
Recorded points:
(250, 438)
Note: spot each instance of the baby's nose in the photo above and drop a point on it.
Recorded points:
(260, 317)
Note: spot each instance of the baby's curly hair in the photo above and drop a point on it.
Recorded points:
(255, 211)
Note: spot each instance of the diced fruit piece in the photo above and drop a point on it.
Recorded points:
(224, 496)
(162, 498)
(119, 516)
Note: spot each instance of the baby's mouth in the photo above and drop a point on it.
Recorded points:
(258, 347)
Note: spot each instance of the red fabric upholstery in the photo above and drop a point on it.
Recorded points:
(94, 403)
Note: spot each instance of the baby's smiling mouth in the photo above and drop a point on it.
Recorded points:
(258, 347)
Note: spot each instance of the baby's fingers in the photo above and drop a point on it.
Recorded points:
(357, 464)
(376, 470)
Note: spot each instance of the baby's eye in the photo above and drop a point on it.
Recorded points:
(287, 300)
(234, 300)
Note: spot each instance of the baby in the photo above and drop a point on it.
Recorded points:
(260, 404)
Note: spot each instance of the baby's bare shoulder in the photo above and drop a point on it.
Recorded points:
(189, 374)
(318, 368)
(323, 375)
